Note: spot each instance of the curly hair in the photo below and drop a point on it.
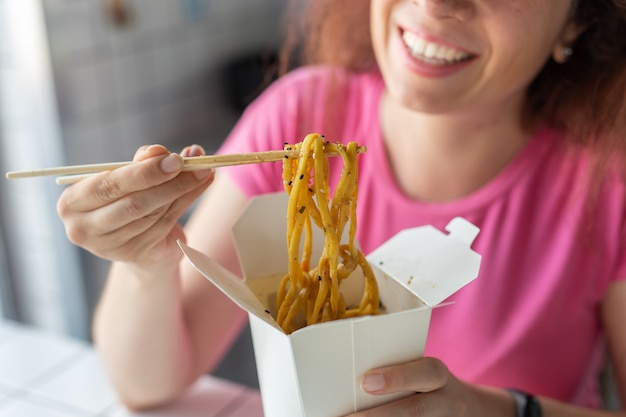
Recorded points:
(584, 97)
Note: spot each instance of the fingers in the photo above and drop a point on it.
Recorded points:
(435, 404)
(120, 214)
(114, 225)
(106, 187)
(156, 166)
(113, 233)
(196, 150)
(423, 375)
(151, 227)
(143, 203)
(149, 151)
(436, 393)
(193, 150)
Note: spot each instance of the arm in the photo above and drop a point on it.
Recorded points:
(613, 313)
(441, 394)
(153, 325)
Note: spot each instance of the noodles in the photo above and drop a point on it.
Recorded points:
(307, 296)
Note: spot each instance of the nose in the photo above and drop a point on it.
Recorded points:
(462, 10)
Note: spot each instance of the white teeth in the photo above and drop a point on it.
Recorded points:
(430, 52)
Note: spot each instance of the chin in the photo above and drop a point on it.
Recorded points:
(420, 103)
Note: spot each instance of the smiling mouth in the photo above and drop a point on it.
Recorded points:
(432, 53)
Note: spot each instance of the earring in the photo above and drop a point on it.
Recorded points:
(562, 54)
(566, 52)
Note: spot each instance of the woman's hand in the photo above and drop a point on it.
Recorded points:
(438, 393)
(131, 214)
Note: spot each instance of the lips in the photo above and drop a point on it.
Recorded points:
(433, 53)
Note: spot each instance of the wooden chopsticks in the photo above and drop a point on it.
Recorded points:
(73, 173)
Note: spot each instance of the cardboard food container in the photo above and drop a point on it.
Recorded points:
(316, 371)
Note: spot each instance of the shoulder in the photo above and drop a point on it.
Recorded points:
(319, 81)
(600, 167)
(596, 184)
(320, 99)
(323, 74)
(581, 169)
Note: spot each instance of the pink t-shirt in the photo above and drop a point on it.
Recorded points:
(530, 320)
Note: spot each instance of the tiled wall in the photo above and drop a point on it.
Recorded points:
(155, 80)
(158, 79)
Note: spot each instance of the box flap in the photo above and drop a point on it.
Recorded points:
(260, 236)
(431, 264)
(229, 283)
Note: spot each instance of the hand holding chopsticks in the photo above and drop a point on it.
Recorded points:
(73, 173)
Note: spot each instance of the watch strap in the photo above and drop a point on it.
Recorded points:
(526, 405)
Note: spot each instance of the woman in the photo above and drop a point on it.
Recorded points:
(494, 111)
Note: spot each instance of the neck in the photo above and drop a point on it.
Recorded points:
(444, 157)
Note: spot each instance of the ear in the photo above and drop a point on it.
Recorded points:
(563, 48)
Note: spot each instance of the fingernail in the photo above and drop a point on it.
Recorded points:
(186, 151)
(149, 148)
(171, 163)
(373, 382)
(202, 174)
(197, 150)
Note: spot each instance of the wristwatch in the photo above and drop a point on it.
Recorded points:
(526, 404)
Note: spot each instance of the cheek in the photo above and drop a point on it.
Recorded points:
(526, 26)
(522, 43)
(378, 23)
(513, 70)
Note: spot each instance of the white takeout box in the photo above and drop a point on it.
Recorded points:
(316, 371)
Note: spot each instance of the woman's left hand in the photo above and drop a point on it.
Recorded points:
(438, 393)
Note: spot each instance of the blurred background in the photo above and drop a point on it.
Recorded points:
(86, 81)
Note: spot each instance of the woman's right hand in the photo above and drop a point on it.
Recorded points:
(131, 214)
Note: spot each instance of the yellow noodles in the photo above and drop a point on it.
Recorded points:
(307, 296)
